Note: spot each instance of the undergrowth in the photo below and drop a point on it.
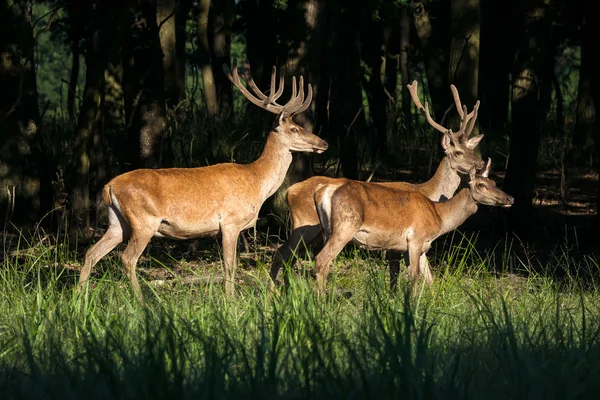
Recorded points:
(476, 333)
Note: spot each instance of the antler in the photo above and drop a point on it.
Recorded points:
(467, 121)
(295, 105)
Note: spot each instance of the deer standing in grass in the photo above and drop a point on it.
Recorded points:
(383, 218)
(459, 159)
(186, 203)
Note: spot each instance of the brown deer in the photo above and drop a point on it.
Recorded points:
(459, 159)
(383, 218)
(186, 203)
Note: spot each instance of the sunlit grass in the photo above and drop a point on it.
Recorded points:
(475, 333)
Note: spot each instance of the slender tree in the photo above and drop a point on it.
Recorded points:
(221, 18)
(89, 117)
(463, 69)
(345, 104)
(432, 25)
(532, 82)
(144, 88)
(204, 62)
(585, 127)
(494, 68)
(167, 12)
(23, 162)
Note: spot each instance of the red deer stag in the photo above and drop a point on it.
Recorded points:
(459, 159)
(383, 218)
(186, 203)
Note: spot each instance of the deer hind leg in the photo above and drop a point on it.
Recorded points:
(425, 270)
(118, 231)
(300, 238)
(342, 233)
(137, 243)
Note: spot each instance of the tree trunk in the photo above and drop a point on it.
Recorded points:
(375, 36)
(585, 123)
(464, 55)
(73, 77)
(495, 67)
(404, 40)
(221, 17)
(23, 162)
(166, 11)
(530, 103)
(261, 45)
(589, 34)
(208, 79)
(345, 107)
(143, 72)
(89, 115)
(434, 47)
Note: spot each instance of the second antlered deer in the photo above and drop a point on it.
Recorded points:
(186, 203)
(459, 158)
(382, 218)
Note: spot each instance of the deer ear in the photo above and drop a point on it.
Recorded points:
(445, 141)
(472, 173)
(486, 171)
(474, 141)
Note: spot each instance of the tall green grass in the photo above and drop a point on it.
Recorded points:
(472, 335)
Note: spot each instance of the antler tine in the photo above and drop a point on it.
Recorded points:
(459, 106)
(412, 88)
(281, 83)
(432, 122)
(462, 110)
(234, 77)
(289, 107)
(463, 121)
(472, 120)
(247, 77)
(266, 100)
(297, 101)
(307, 101)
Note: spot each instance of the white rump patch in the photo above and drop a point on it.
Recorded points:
(324, 209)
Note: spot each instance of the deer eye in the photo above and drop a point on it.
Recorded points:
(460, 153)
(294, 129)
(480, 186)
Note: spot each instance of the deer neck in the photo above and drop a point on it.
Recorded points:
(272, 166)
(442, 184)
(456, 210)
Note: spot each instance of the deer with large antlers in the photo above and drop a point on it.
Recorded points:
(185, 203)
(459, 159)
(383, 218)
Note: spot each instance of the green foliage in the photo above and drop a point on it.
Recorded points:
(471, 336)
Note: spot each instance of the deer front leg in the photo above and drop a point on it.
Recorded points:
(415, 251)
(297, 243)
(229, 238)
(393, 258)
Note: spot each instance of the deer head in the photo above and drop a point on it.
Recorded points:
(484, 190)
(295, 137)
(458, 147)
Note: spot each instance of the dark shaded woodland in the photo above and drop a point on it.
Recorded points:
(144, 87)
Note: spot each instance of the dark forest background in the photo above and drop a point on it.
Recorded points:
(91, 89)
